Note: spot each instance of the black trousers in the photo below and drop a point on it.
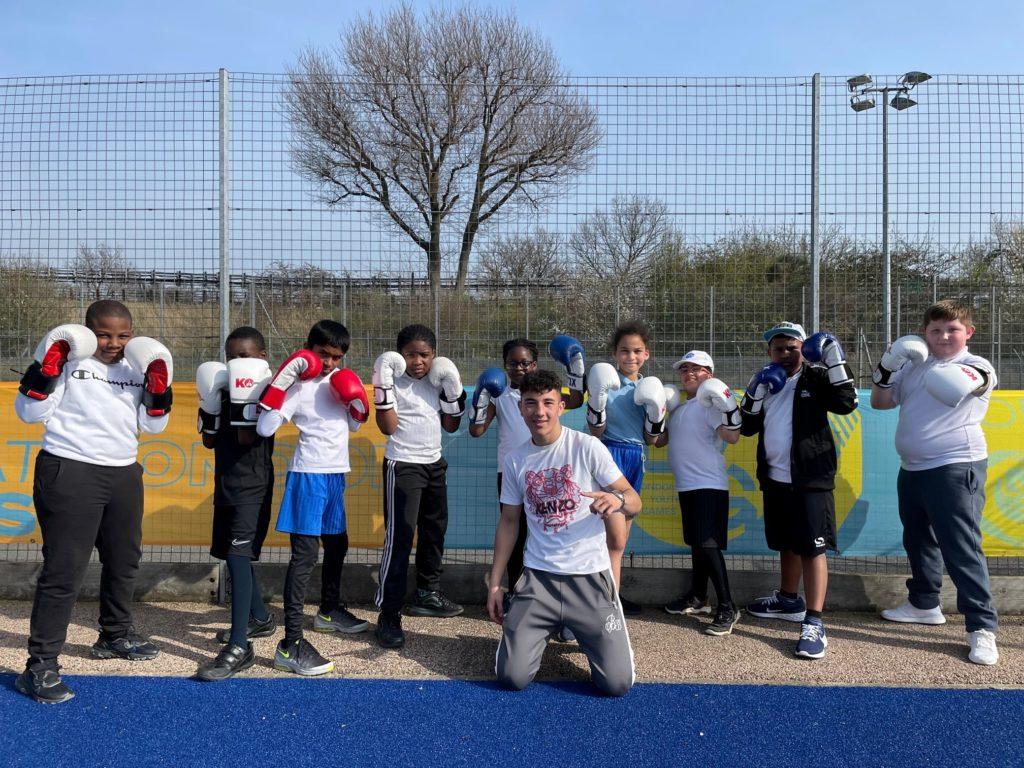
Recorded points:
(415, 500)
(80, 506)
(305, 553)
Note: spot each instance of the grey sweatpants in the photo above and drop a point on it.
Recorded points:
(586, 604)
(941, 513)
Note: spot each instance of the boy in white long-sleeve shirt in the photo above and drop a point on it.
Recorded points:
(95, 388)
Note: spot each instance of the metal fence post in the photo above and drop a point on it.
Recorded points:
(527, 303)
(815, 172)
(224, 178)
(711, 322)
(252, 301)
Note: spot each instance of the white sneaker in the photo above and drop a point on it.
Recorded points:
(909, 614)
(983, 647)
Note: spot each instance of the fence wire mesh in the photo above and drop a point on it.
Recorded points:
(693, 213)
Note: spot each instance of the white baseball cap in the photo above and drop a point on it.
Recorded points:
(786, 329)
(696, 357)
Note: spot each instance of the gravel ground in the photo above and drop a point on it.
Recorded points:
(864, 650)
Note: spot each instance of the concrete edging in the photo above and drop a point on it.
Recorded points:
(464, 583)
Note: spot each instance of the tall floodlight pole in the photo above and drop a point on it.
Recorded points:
(860, 86)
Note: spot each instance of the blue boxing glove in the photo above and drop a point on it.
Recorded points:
(824, 349)
(491, 384)
(569, 352)
(769, 380)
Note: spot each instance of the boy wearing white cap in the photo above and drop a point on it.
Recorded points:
(786, 405)
(702, 420)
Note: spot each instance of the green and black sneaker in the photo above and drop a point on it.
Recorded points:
(301, 658)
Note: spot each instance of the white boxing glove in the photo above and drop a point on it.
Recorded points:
(211, 381)
(906, 349)
(388, 367)
(247, 379)
(951, 383)
(650, 395)
(601, 378)
(444, 375)
(152, 359)
(714, 393)
(64, 343)
(672, 399)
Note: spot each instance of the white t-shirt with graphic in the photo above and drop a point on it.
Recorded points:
(929, 433)
(94, 414)
(695, 449)
(564, 537)
(778, 431)
(418, 437)
(323, 425)
(512, 429)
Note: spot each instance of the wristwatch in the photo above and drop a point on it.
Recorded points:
(622, 499)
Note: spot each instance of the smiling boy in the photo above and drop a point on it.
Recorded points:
(567, 485)
(942, 391)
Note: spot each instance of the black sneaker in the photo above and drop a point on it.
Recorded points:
(629, 608)
(688, 605)
(433, 603)
(43, 685)
(231, 659)
(132, 646)
(253, 629)
(301, 658)
(725, 620)
(389, 631)
(341, 620)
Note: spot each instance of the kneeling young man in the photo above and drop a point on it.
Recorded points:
(567, 484)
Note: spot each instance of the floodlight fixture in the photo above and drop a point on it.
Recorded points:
(861, 103)
(915, 78)
(858, 81)
(901, 102)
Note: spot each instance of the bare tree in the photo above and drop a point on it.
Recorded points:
(100, 271)
(449, 116)
(522, 259)
(619, 244)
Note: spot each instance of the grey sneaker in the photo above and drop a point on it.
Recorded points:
(43, 685)
(725, 620)
(688, 605)
(341, 621)
(433, 603)
(302, 659)
(132, 646)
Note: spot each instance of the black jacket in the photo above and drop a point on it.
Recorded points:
(813, 460)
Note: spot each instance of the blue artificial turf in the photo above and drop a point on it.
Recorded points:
(125, 721)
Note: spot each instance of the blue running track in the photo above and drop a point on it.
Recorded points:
(273, 723)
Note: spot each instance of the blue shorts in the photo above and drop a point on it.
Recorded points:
(629, 458)
(313, 504)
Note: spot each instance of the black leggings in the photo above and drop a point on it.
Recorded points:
(709, 564)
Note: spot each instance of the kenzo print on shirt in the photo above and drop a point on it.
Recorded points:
(553, 496)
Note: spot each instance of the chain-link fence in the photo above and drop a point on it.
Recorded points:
(702, 210)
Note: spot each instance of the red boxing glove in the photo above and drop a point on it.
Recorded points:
(302, 366)
(349, 390)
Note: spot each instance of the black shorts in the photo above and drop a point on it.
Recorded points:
(240, 529)
(799, 521)
(705, 517)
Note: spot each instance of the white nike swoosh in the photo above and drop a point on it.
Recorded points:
(237, 543)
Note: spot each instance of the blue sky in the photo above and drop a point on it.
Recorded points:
(639, 37)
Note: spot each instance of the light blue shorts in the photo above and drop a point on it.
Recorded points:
(313, 504)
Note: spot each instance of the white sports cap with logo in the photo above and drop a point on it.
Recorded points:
(786, 329)
(696, 357)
